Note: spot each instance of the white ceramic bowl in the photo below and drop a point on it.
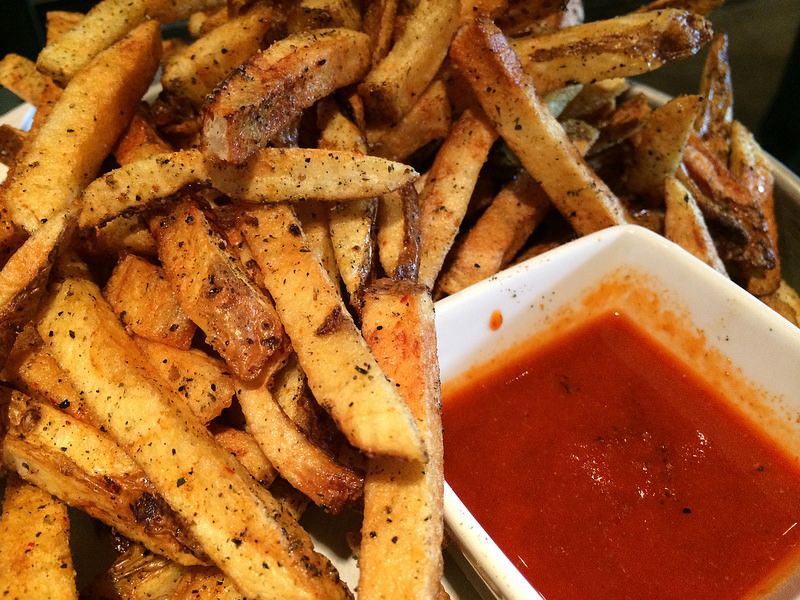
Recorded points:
(545, 290)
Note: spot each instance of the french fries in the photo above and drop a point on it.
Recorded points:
(716, 88)
(20, 76)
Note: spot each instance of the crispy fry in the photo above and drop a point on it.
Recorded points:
(167, 11)
(193, 71)
(342, 374)
(140, 140)
(138, 574)
(314, 217)
(35, 558)
(581, 134)
(20, 76)
(443, 202)
(239, 526)
(201, 22)
(247, 451)
(271, 90)
(317, 14)
(626, 119)
(93, 111)
(595, 99)
(288, 388)
(713, 124)
(145, 304)
(59, 22)
(393, 85)
(401, 556)
(122, 235)
(619, 47)
(498, 234)
(205, 583)
(543, 16)
(239, 321)
(482, 53)
(398, 233)
(12, 141)
(379, 19)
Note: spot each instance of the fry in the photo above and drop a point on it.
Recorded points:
(483, 55)
(626, 119)
(379, 19)
(271, 90)
(398, 233)
(201, 22)
(140, 140)
(713, 124)
(619, 47)
(20, 76)
(401, 556)
(785, 301)
(393, 85)
(342, 374)
(240, 527)
(595, 99)
(138, 574)
(443, 202)
(316, 14)
(167, 11)
(314, 217)
(247, 451)
(204, 583)
(34, 545)
(93, 110)
(12, 141)
(60, 22)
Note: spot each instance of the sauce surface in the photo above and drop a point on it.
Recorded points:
(604, 469)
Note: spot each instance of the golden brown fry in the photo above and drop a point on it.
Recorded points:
(239, 321)
(619, 47)
(122, 235)
(393, 85)
(401, 536)
(713, 124)
(143, 300)
(659, 145)
(205, 583)
(498, 234)
(105, 24)
(700, 7)
(482, 54)
(427, 120)
(195, 70)
(140, 140)
(314, 217)
(443, 202)
(11, 142)
(167, 11)
(288, 388)
(539, 17)
(558, 100)
(379, 19)
(86, 469)
(273, 88)
(247, 451)
(342, 374)
(684, 224)
(626, 119)
(398, 238)
(239, 525)
(60, 22)
(581, 134)
(317, 14)
(138, 574)
(201, 22)
(20, 76)
(35, 558)
(595, 99)
(82, 127)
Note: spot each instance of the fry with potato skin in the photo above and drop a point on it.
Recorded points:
(240, 526)
(272, 89)
(167, 11)
(244, 447)
(59, 22)
(137, 574)
(342, 373)
(35, 558)
(398, 237)
(379, 18)
(713, 124)
(483, 55)
(20, 76)
(82, 127)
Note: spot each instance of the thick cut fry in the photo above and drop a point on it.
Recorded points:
(105, 24)
(659, 145)
(315, 219)
(304, 465)
(288, 388)
(20, 76)
(443, 202)
(540, 17)
(393, 86)
(581, 134)
(626, 119)
(498, 235)
(619, 47)
(379, 19)
(35, 559)
(273, 88)
(145, 304)
(342, 374)
(211, 287)
(193, 71)
(398, 233)
(483, 55)
(749, 167)
(239, 525)
(201, 22)
(60, 22)
(122, 235)
(317, 14)
(167, 11)
(82, 127)
(595, 99)
(86, 469)
(138, 574)
(684, 224)
(271, 175)
(427, 120)
(713, 124)
(203, 382)
(12, 141)
(140, 140)
(247, 451)
(205, 583)
(401, 536)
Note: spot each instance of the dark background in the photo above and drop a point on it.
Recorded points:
(764, 53)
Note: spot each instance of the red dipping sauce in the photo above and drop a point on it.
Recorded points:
(603, 468)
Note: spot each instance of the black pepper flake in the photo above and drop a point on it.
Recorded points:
(294, 229)
(394, 539)
(686, 510)
(180, 481)
(63, 404)
(72, 334)
(236, 542)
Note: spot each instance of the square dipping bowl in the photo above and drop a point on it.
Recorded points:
(677, 299)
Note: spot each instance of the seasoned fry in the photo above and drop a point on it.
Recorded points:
(342, 374)
(540, 17)
(379, 19)
(684, 224)
(205, 583)
(581, 134)
(239, 526)
(443, 202)
(140, 296)
(315, 219)
(93, 110)
(595, 99)
(35, 558)
(271, 175)
(659, 145)
(59, 22)
(626, 119)
(201, 22)
(138, 574)
(483, 55)
(120, 236)
(620, 47)
(498, 234)
(398, 233)
(11, 143)
(20, 76)
(140, 140)
(272, 89)
(193, 71)
(106, 23)
(393, 85)
(713, 124)
(86, 469)
(167, 11)
(317, 14)
(401, 555)
(247, 451)
(210, 286)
